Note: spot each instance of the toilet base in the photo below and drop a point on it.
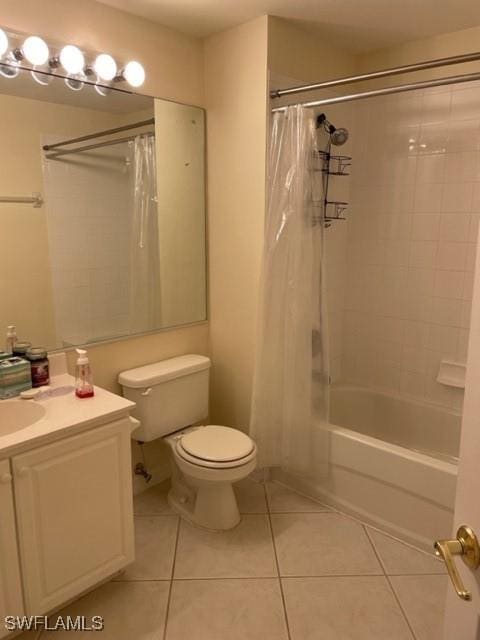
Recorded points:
(213, 506)
(205, 495)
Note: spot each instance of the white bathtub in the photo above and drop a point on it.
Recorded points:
(389, 461)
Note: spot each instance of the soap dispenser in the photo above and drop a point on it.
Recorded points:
(83, 376)
(11, 339)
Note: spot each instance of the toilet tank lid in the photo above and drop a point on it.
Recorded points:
(163, 371)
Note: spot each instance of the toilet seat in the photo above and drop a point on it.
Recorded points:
(216, 447)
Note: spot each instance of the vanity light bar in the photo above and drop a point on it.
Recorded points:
(33, 53)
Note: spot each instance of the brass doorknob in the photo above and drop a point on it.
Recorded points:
(465, 545)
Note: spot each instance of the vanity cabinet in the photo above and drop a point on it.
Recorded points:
(73, 513)
(11, 601)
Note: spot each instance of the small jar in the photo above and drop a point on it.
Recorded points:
(20, 349)
(37, 356)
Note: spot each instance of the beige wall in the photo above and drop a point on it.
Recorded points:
(174, 66)
(237, 63)
(442, 46)
(235, 87)
(294, 53)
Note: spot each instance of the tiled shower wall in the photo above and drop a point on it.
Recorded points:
(89, 201)
(409, 244)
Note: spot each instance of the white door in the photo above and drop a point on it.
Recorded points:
(462, 620)
(74, 514)
(11, 601)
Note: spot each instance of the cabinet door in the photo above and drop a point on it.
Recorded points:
(11, 601)
(74, 514)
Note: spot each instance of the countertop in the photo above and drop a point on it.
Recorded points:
(64, 415)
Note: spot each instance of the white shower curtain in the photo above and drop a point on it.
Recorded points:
(291, 371)
(145, 312)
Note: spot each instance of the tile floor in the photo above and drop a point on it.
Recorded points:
(292, 570)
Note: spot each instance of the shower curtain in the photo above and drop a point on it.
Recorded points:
(291, 370)
(145, 312)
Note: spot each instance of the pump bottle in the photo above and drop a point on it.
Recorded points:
(83, 376)
(11, 339)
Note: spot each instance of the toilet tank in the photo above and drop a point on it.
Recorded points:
(169, 395)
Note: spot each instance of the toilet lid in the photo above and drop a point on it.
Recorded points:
(217, 444)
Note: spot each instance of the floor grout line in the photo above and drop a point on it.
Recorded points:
(429, 554)
(169, 597)
(387, 578)
(287, 625)
(155, 515)
(296, 576)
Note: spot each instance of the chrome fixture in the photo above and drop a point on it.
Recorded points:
(440, 82)
(330, 165)
(34, 54)
(141, 470)
(58, 149)
(372, 75)
(337, 136)
(412, 86)
(35, 199)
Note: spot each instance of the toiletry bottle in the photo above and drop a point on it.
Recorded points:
(11, 339)
(83, 376)
(37, 356)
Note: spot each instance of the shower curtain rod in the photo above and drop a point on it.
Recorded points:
(409, 68)
(89, 147)
(100, 134)
(425, 84)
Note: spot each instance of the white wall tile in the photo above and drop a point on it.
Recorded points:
(435, 106)
(451, 256)
(455, 227)
(449, 284)
(414, 359)
(423, 254)
(443, 339)
(416, 333)
(426, 226)
(465, 104)
(457, 196)
(411, 241)
(431, 169)
(463, 135)
(427, 198)
(447, 312)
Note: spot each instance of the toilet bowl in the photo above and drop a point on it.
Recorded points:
(206, 461)
(170, 397)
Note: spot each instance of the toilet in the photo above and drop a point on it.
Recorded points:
(171, 398)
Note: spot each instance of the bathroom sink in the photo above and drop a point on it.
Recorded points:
(18, 414)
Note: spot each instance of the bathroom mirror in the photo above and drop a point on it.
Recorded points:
(102, 212)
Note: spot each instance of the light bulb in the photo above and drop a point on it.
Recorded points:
(72, 59)
(3, 42)
(105, 67)
(35, 50)
(134, 74)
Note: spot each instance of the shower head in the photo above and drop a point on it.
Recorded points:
(337, 136)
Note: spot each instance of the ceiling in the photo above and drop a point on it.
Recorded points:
(356, 25)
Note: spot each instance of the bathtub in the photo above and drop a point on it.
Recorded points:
(391, 462)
